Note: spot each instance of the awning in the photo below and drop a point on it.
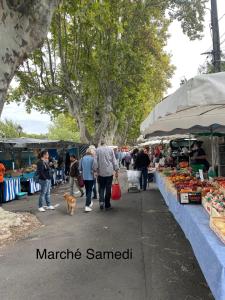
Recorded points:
(197, 106)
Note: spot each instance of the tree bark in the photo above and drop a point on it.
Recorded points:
(23, 28)
(77, 114)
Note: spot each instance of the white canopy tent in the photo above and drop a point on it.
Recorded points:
(162, 139)
(198, 105)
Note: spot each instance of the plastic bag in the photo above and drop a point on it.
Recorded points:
(133, 176)
(116, 191)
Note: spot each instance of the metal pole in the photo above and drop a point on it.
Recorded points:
(216, 37)
(212, 154)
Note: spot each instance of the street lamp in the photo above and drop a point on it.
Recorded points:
(19, 129)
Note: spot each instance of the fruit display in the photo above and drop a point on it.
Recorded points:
(214, 203)
(188, 188)
(191, 190)
(20, 172)
(183, 164)
(13, 173)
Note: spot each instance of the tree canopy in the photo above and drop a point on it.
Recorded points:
(104, 62)
(64, 128)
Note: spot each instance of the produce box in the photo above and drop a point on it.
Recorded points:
(190, 198)
(217, 224)
(216, 213)
(207, 205)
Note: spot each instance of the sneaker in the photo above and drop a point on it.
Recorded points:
(91, 204)
(87, 209)
(101, 206)
(108, 207)
(50, 207)
(41, 209)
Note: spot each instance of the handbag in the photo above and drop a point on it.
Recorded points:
(116, 190)
(80, 181)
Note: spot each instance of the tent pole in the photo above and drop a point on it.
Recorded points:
(189, 142)
(212, 154)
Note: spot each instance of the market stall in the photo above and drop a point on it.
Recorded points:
(20, 155)
(12, 187)
(195, 223)
(193, 193)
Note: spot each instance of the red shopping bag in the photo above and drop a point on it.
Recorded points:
(116, 190)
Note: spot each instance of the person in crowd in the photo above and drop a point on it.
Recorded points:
(127, 160)
(157, 154)
(43, 171)
(198, 155)
(123, 158)
(2, 173)
(61, 169)
(120, 157)
(52, 171)
(67, 164)
(73, 175)
(147, 150)
(88, 167)
(134, 155)
(107, 165)
(95, 194)
(142, 163)
(116, 152)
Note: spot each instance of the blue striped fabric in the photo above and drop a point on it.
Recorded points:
(11, 188)
(33, 186)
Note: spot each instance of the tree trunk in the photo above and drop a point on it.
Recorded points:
(77, 114)
(23, 28)
(111, 132)
(107, 119)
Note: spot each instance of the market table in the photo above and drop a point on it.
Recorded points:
(207, 247)
(11, 188)
(29, 183)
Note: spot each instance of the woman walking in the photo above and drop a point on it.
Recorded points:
(88, 168)
(74, 174)
(43, 172)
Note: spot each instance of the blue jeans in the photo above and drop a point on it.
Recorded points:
(95, 188)
(88, 187)
(45, 192)
(143, 178)
(105, 186)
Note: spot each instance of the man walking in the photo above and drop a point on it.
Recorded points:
(43, 171)
(141, 164)
(107, 164)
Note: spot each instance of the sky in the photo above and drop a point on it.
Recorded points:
(186, 57)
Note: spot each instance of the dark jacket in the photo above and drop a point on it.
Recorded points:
(43, 170)
(74, 169)
(142, 161)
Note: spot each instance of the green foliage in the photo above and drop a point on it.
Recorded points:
(104, 62)
(35, 135)
(208, 67)
(64, 128)
(9, 129)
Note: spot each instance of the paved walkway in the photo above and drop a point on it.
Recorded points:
(163, 265)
